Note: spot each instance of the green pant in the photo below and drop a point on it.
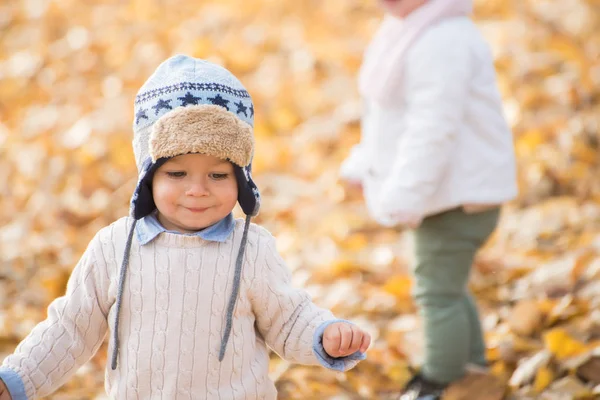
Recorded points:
(445, 245)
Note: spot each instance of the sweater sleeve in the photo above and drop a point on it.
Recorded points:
(71, 334)
(286, 317)
(436, 84)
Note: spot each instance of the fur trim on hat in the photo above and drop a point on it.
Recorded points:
(206, 129)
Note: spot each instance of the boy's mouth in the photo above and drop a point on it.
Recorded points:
(197, 209)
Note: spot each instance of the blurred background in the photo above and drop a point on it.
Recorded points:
(69, 71)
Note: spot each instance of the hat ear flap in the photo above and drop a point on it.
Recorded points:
(142, 201)
(248, 194)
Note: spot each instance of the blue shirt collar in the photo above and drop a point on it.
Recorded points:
(148, 228)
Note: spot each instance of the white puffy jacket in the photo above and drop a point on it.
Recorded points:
(445, 143)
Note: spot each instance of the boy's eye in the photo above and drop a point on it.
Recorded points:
(176, 174)
(218, 177)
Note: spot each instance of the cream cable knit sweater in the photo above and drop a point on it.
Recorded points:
(172, 319)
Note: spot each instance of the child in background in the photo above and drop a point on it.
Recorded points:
(191, 296)
(435, 155)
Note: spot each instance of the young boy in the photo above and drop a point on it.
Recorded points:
(192, 297)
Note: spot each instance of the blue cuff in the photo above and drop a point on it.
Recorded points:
(337, 364)
(13, 383)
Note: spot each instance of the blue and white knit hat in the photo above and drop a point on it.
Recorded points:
(191, 106)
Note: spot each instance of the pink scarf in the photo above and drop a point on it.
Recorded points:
(381, 72)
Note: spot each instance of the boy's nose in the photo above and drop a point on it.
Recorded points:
(197, 189)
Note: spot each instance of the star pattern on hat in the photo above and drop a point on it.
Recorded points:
(252, 110)
(165, 90)
(162, 104)
(189, 98)
(140, 114)
(241, 108)
(219, 101)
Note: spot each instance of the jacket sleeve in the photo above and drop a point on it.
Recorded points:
(436, 83)
(71, 334)
(285, 316)
(354, 167)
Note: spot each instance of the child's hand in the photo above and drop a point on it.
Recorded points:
(4, 394)
(341, 339)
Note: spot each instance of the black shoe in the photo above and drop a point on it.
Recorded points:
(419, 388)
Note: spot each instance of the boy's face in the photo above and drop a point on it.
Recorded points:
(194, 191)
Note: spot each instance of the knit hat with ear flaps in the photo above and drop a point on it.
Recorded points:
(191, 106)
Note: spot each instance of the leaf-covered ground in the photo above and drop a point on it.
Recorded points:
(69, 71)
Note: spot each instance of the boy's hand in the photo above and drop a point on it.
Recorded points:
(4, 394)
(341, 339)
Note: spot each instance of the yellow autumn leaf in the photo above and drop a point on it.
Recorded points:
(500, 369)
(398, 372)
(543, 378)
(355, 242)
(563, 345)
(399, 286)
(529, 141)
(284, 119)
